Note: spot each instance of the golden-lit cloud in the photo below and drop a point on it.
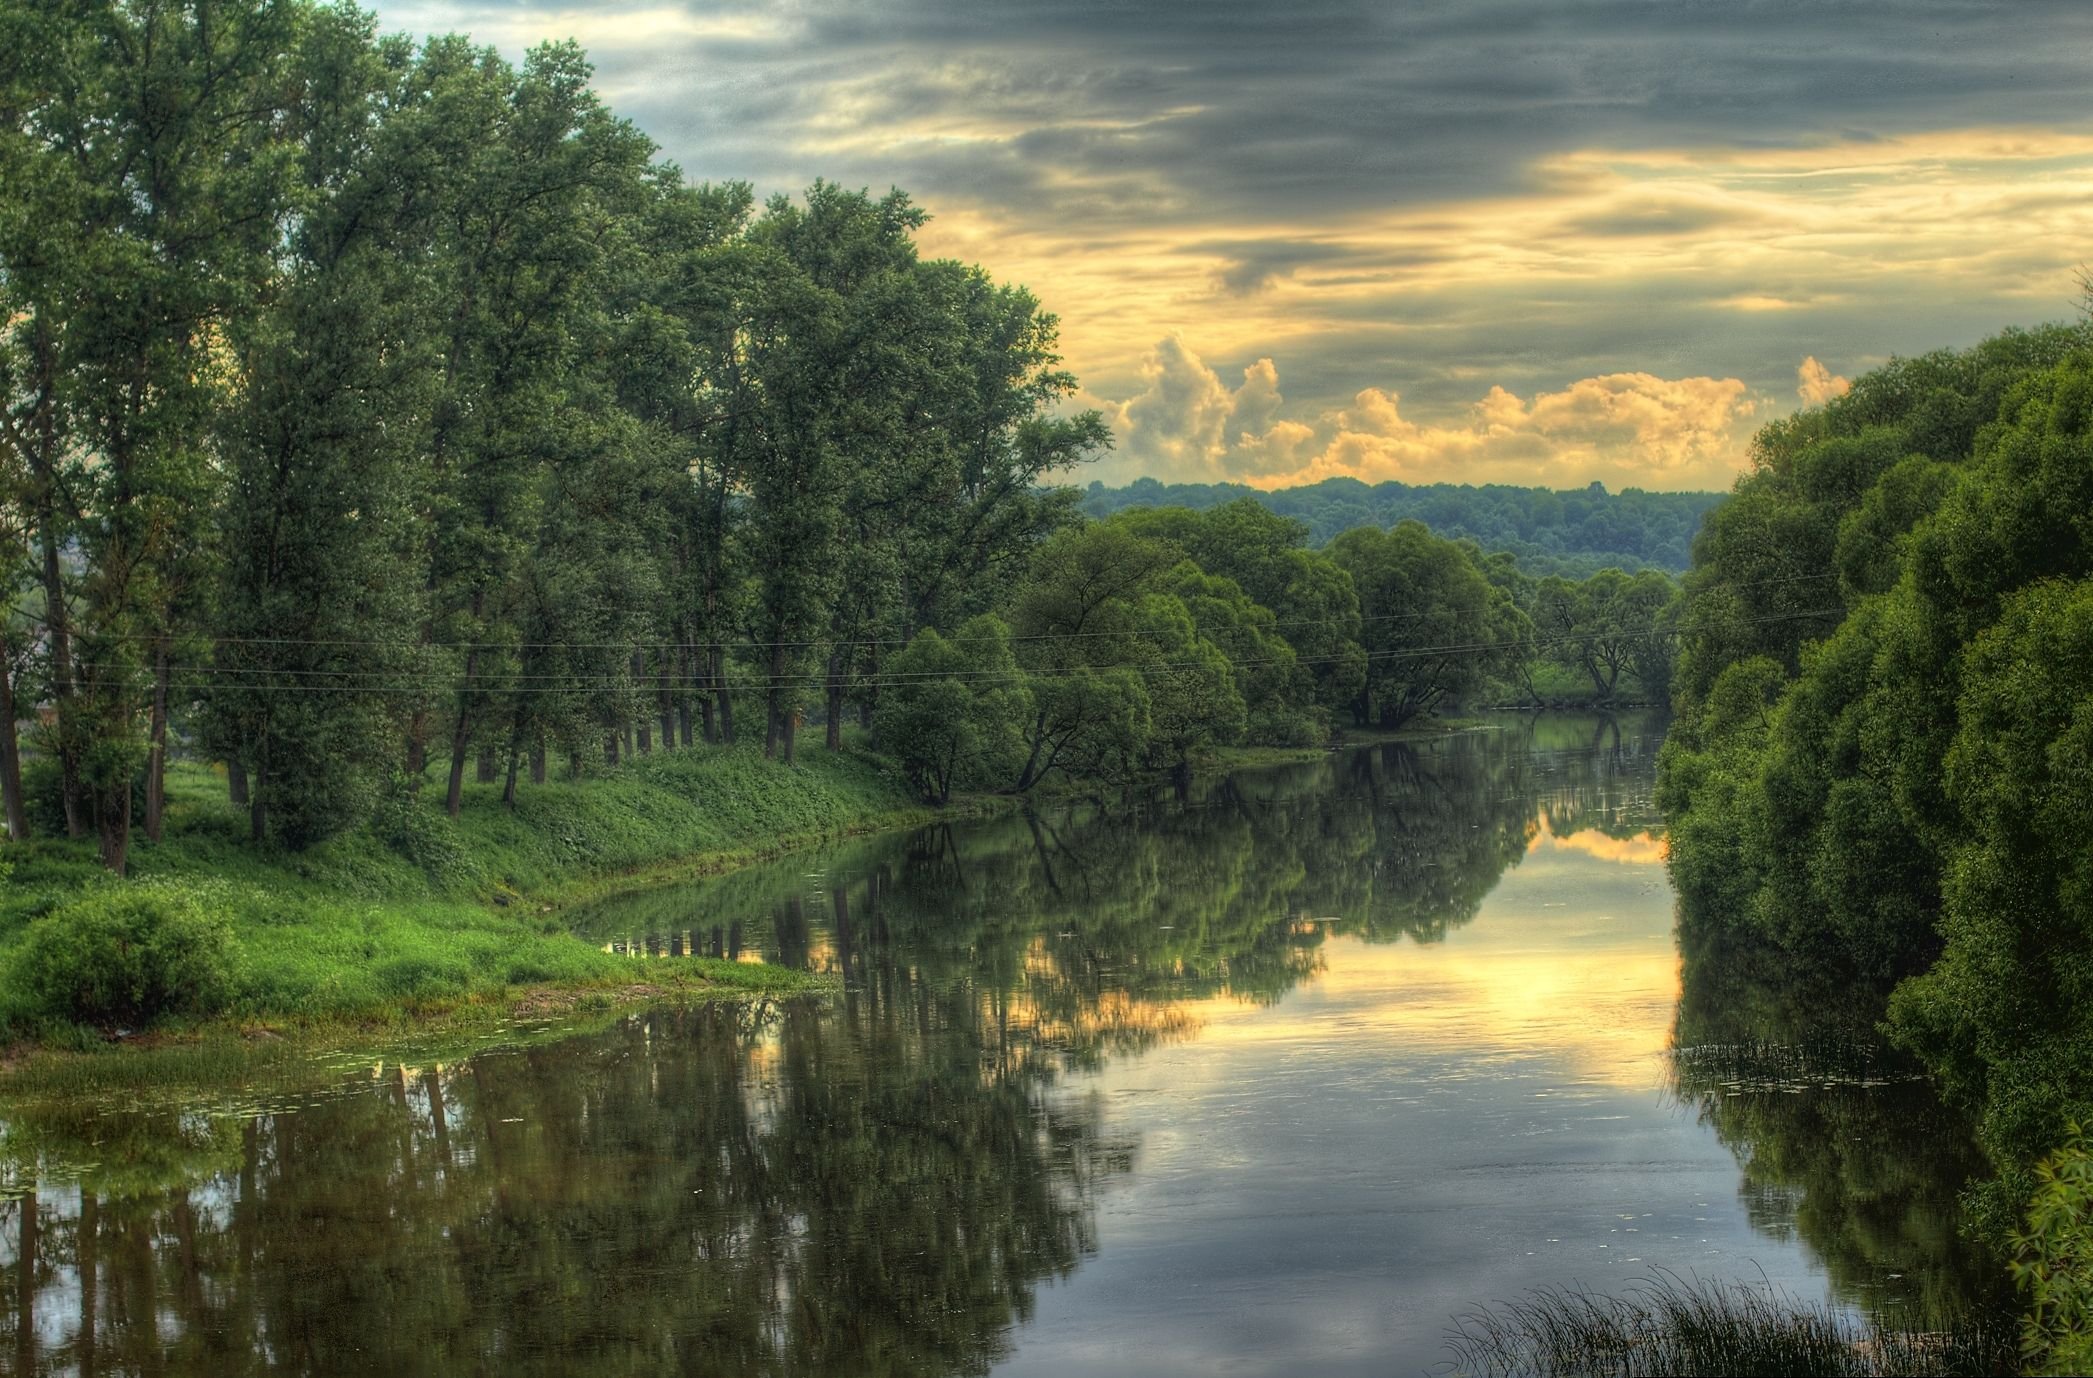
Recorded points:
(1815, 384)
(1802, 240)
(1623, 428)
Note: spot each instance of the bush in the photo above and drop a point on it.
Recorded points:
(128, 954)
(2054, 1262)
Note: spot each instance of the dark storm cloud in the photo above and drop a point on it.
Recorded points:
(1223, 109)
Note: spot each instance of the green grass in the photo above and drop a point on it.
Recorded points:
(418, 914)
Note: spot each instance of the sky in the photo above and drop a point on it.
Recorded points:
(1522, 241)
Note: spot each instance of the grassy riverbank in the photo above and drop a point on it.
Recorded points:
(413, 917)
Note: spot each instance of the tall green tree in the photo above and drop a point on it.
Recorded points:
(953, 711)
(148, 131)
(314, 621)
(1426, 613)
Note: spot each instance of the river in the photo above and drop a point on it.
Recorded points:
(1277, 1076)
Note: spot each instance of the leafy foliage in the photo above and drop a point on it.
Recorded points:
(128, 956)
(2054, 1262)
(1885, 672)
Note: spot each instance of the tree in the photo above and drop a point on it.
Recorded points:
(1610, 623)
(1193, 702)
(145, 147)
(313, 619)
(539, 172)
(1426, 613)
(1277, 693)
(953, 711)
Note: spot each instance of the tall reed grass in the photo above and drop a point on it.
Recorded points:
(1668, 1325)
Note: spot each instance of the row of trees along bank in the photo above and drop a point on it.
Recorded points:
(378, 410)
(1883, 760)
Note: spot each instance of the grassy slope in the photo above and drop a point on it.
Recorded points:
(420, 911)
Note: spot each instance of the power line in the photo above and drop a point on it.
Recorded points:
(372, 683)
(629, 646)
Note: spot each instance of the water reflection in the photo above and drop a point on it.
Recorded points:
(1842, 1144)
(807, 1189)
(884, 1182)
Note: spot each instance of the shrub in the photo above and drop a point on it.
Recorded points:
(2055, 1261)
(129, 954)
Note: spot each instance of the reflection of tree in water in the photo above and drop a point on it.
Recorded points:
(1841, 1144)
(874, 1184)
(1085, 929)
(827, 1189)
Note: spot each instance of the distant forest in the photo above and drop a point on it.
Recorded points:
(1575, 532)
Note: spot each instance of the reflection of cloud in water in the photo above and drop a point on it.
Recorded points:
(1645, 848)
(1563, 963)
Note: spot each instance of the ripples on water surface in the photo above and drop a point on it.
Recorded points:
(1275, 1078)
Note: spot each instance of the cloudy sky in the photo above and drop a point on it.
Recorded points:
(1536, 241)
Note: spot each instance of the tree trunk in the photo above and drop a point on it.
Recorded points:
(639, 678)
(156, 752)
(668, 726)
(610, 747)
(1025, 777)
(724, 696)
(25, 1287)
(236, 781)
(112, 817)
(60, 637)
(486, 767)
(417, 748)
(870, 696)
(538, 761)
(574, 764)
(86, 1232)
(686, 662)
(774, 703)
(258, 811)
(43, 341)
(834, 735)
(791, 728)
(515, 755)
(10, 750)
(454, 792)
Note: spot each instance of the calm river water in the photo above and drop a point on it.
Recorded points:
(1276, 1078)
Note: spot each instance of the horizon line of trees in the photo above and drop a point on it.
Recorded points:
(1572, 532)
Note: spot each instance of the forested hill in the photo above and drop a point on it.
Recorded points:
(1573, 532)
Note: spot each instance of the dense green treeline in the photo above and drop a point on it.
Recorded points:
(378, 411)
(1140, 643)
(1573, 532)
(1885, 677)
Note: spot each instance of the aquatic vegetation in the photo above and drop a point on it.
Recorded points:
(1669, 1325)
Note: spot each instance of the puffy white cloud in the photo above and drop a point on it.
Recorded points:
(1187, 423)
(1624, 428)
(1815, 384)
